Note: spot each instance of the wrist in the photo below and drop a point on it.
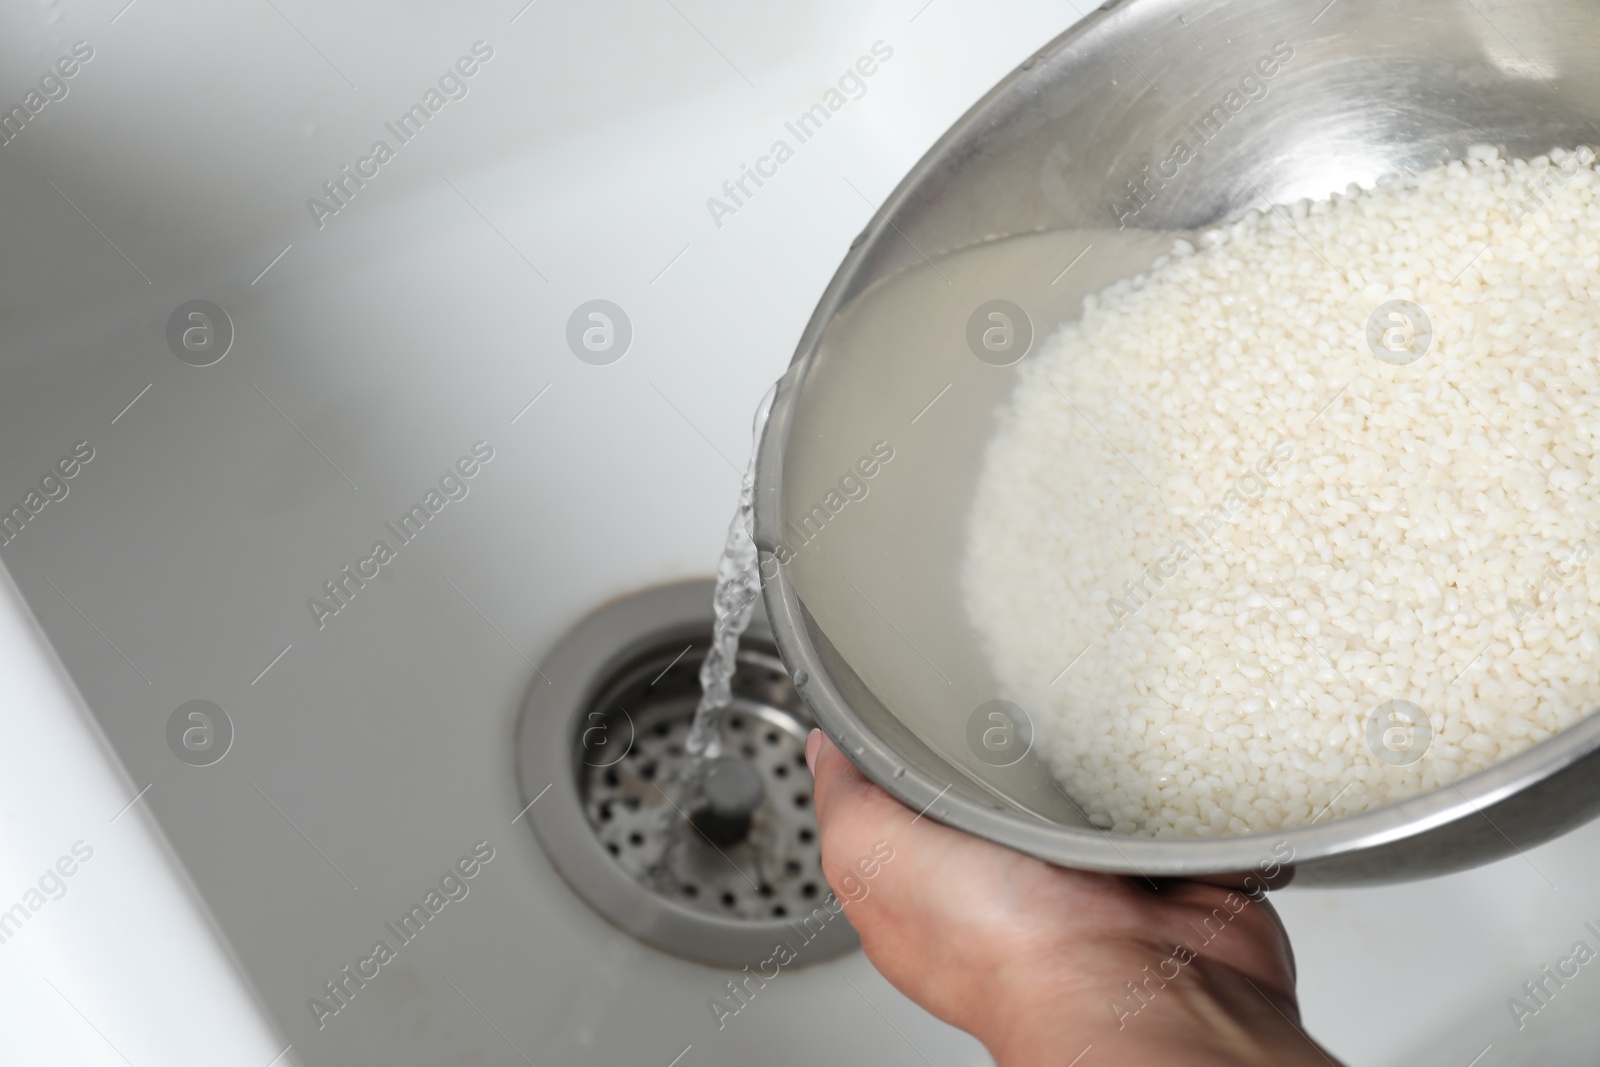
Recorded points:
(1040, 1016)
(1210, 1016)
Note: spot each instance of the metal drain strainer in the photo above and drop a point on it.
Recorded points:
(600, 747)
(632, 796)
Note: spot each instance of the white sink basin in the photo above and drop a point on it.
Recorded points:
(371, 746)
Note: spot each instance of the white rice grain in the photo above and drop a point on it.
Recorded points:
(1262, 533)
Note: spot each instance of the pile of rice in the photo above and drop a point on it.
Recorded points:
(1215, 533)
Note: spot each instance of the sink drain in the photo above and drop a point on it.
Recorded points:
(754, 854)
(721, 879)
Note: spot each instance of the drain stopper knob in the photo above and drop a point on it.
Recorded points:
(731, 790)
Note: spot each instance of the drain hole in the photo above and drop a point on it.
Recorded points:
(650, 845)
(627, 790)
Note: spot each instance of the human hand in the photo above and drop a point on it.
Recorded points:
(1033, 959)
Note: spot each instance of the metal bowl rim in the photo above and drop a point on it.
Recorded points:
(1087, 848)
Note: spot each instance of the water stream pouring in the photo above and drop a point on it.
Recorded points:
(672, 743)
(738, 591)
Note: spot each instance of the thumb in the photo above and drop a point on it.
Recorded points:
(852, 812)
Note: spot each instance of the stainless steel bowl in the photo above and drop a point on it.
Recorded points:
(1077, 146)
